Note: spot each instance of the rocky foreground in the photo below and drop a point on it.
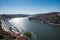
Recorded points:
(4, 35)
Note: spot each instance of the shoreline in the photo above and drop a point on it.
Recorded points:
(54, 24)
(45, 22)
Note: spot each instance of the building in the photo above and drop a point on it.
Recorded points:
(53, 17)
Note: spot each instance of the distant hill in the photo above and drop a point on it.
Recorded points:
(13, 15)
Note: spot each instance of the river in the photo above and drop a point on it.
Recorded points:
(41, 31)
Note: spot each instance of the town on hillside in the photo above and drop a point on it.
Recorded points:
(52, 17)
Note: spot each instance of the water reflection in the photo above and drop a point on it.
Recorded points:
(41, 30)
(18, 23)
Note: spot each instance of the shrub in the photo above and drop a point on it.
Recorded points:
(2, 37)
(27, 34)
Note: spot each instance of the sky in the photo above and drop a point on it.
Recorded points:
(29, 6)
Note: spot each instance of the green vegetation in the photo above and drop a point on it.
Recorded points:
(28, 34)
(4, 37)
(56, 17)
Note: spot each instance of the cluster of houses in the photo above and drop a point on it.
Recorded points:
(53, 17)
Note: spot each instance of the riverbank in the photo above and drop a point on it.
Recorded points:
(12, 35)
(40, 30)
(9, 34)
(18, 36)
(49, 18)
(54, 24)
(44, 22)
(4, 34)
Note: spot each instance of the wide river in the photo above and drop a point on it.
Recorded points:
(41, 31)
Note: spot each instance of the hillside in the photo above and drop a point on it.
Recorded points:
(52, 17)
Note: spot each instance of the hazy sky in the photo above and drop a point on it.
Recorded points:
(29, 6)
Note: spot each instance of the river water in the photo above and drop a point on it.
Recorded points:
(41, 31)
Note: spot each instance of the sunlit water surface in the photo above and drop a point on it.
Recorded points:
(40, 30)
